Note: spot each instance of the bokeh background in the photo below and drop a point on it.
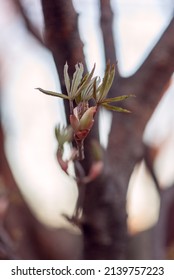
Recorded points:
(29, 117)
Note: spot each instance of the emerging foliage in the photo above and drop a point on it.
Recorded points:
(79, 91)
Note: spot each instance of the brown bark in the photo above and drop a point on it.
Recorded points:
(32, 30)
(106, 20)
(61, 27)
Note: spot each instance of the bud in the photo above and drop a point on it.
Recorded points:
(81, 134)
(83, 125)
(87, 120)
(63, 135)
(74, 122)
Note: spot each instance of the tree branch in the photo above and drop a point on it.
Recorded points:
(148, 84)
(61, 34)
(103, 225)
(157, 69)
(107, 32)
(30, 27)
(62, 37)
(104, 220)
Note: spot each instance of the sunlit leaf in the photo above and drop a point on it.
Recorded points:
(77, 77)
(114, 108)
(78, 99)
(117, 98)
(101, 94)
(87, 93)
(111, 74)
(106, 82)
(63, 135)
(85, 81)
(66, 78)
(53, 93)
(95, 89)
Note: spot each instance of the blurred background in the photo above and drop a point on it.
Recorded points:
(29, 118)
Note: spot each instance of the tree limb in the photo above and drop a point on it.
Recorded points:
(30, 27)
(107, 32)
(103, 225)
(156, 71)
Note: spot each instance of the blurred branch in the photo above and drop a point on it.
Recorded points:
(164, 228)
(148, 84)
(107, 32)
(61, 34)
(155, 242)
(30, 27)
(7, 247)
(156, 70)
(149, 157)
(104, 220)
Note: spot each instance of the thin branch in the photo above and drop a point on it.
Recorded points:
(7, 246)
(30, 27)
(148, 84)
(149, 158)
(107, 32)
(61, 34)
(157, 69)
(164, 228)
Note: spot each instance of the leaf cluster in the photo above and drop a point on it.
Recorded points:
(83, 88)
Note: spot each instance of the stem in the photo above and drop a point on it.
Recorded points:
(71, 107)
(80, 149)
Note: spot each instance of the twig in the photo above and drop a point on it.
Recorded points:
(107, 33)
(31, 28)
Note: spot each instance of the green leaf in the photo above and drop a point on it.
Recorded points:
(106, 82)
(61, 95)
(85, 81)
(110, 79)
(114, 108)
(117, 98)
(64, 134)
(78, 99)
(77, 77)
(95, 89)
(66, 78)
(87, 93)
(101, 94)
